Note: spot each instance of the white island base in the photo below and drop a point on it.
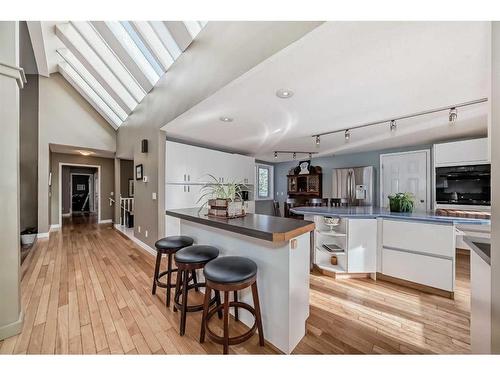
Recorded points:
(282, 279)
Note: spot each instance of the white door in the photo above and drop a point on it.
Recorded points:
(406, 172)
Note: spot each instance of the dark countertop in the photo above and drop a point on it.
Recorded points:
(377, 212)
(269, 228)
(481, 246)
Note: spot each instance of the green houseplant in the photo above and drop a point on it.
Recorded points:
(223, 195)
(401, 202)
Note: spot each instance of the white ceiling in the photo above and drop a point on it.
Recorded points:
(348, 73)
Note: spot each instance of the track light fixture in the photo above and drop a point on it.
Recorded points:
(294, 153)
(453, 115)
(347, 134)
(318, 140)
(393, 125)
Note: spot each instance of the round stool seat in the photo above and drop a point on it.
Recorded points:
(173, 243)
(196, 254)
(230, 270)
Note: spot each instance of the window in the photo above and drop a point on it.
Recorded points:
(264, 181)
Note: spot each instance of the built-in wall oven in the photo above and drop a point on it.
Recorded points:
(464, 185)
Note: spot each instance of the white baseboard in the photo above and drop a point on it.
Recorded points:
(54, 227)
(13, 328)
(42, 235)
(106, 221)
(137, 241)
(66, 215)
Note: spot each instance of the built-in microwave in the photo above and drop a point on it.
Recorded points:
(464, 185)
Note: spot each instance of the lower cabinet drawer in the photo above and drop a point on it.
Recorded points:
(421, 269)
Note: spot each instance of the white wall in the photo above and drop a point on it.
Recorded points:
(65, 118)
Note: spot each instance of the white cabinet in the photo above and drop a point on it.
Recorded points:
(193, 165)
(468, 152)
(422, 253)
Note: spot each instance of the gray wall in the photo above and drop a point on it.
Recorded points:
(65, 118)
(107, 181)
(222, 52)
(29, 152)
(126, 173)
(362, 159)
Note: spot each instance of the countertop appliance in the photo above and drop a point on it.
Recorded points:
(354, 186)
(464, 185)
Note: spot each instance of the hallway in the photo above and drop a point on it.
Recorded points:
(88, 290)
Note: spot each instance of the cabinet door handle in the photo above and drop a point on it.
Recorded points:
(189, 189)
(184, 188)
(184, 177)
(189, 177)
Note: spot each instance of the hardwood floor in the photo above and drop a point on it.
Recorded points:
(88, 290)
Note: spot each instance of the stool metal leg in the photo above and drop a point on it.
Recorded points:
(236, 308)
(226, 322)
(157, 271)
(206, 304)
(258, 317)
(185, 278)
(169, 278)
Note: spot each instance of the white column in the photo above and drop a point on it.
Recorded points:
(495, 198)
(10, 81)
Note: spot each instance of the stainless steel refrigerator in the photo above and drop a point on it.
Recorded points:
(353, 186)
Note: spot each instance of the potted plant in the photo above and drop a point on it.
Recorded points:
(401, 202)
(222, 199)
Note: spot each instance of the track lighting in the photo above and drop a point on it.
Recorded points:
(393, 125)
(276, 154)
(294, 155)
(347, 134)
(453, 115)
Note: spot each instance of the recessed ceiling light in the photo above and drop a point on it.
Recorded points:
(85, 152)
(226, 119)
(284, 93)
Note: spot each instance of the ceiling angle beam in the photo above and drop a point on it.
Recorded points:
(153, 43)
(180, 33)
(69, 36)
(39, 49)
(86, 92)
(145, 81)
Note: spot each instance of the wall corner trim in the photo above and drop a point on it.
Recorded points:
(13, 72)
(13, 328)
(42, 235)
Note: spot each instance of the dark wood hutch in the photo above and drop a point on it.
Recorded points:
(302, 187)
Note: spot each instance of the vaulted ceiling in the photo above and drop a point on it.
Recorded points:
(112, 64)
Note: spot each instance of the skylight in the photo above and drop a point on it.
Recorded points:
(113, 65)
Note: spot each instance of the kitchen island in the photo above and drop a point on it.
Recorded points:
(281, 249)
(415, 249)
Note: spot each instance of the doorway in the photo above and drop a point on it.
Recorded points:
(406, 172)
(82, 196)
(79, 191)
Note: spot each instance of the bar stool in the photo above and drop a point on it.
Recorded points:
(230, 274)
(190, 259)
(169, 246)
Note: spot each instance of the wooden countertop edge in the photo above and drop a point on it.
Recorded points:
(287, 236)
(266, 236)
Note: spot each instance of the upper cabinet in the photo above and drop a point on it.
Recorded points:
(187, 164)
(468, 152)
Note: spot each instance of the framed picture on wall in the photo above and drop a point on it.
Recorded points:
(130, 187)
(138, 172)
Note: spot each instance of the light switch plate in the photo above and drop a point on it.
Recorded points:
(145, 179)
(154, 196)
